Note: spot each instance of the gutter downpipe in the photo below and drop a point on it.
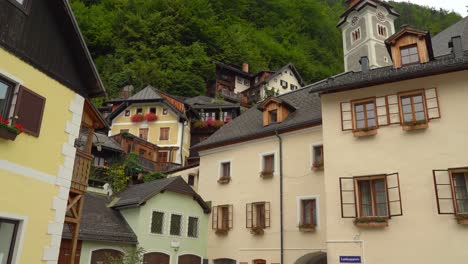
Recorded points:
(281, 196)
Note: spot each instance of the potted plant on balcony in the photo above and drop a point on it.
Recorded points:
(462, 219)
(307, 227)
(8, 131)
(151, 117)
(371, 222)
(415, 125)
(137, 118)
(257, 230)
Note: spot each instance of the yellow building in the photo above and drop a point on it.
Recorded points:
(157, 118)
(44, 80)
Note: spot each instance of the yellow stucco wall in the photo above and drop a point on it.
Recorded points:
(247, 186)
(421, 235)
(29, 193)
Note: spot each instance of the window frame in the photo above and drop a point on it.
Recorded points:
(452, 187)
(382, 29)
(139, 111)
(152, 110)
(161, 129)
(163, 223)
(270, 119)
(364, 102)
(127, 113)
(218, 212)
(414, 45)
(356, 35)
(264, 208)
(14, 239)
(303, 215)
(180, 225)
(222, 169)
(197, 231)
(263, 162)
(146, 132)
(167, 156)
(165, 111)
(412, 94)
(315, 164)
(11, 87)
(358, 194)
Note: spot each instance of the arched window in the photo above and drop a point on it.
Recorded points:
(356, 35)
(224, 261)
(189, 259)
(156, 257)
(382, 30)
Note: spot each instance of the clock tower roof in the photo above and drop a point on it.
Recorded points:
(357, 5)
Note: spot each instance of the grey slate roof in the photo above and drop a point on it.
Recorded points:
(441, 40)
(106, 142)
(137, 195)
(149, 93)
(250, 124)
(101, 223)
(290, 66)
(208, 102)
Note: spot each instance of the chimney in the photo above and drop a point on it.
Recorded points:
(245, 67)
(457, 47)
(364, 61)
(351, 3)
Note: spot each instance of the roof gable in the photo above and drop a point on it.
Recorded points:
(441, 40)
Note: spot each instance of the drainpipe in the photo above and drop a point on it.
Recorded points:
(182, 144)
(280, 140)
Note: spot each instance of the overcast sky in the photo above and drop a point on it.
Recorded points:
(458, 6)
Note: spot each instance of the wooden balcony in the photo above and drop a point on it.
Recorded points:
(155, 166)
(81, 171)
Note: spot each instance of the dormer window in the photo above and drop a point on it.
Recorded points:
(273, 114)
(275, 110)
(356, 35)
(409, 54)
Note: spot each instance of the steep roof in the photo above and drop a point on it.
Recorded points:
(249, 125)
(208, 102)
(106, 142)
(101, 223)
(278, 72)
(233, 69)
(137, 195)
(363, 3)
(441, 40)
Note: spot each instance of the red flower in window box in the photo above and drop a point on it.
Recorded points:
(150, 117)
(210, 122)
(218, 123)
(228, 119)
(7, 131)
(137, 118)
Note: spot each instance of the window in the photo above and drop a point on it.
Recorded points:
(308, 213)
(293, 87)
(191, 180)
(273, 115)
(459, 180)
(99, 161)
(268, 163)
(164, 133)
(372, 198)
(318, 156)
(8, 233)
(258, 215)
(29, 109)
(192, 228)
(153, 110)
(382, 30)
(163, 156)
(409, 55)
(157, 223)
(246, 82)
(413, 108)
(139, 111)
(222, 218)
(226, 170)
(365, 115)
(284, 84)
(142, 152)
(451, 191)
(127, 112)
(143, 133)
(356, 35)
(176, 224)
(165, 111)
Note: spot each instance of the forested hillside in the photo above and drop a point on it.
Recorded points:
(170, 43)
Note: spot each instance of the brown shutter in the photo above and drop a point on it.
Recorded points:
(444, 194)
(346, 116)
(248, 215)
(432, 103)
(394, 195)
(382, 111)
(348, 198)
(230, 216)
(267, 214)
(29, 110)
(214, 217)
(393, 109)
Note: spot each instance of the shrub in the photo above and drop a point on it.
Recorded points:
(154, 176)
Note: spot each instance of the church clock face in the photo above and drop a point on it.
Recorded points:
(354, 21)
(380, 16)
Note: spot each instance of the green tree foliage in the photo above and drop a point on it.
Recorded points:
(132, 255)
(170, 43)
(116, 172)
(154, 176)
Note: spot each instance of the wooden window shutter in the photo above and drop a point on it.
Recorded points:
(346, 116)
(248, 215)
(348, 198)
(29, 110)
(444, 193)
(393, 109)
(382, 111)
(432, 103)
(230, 216)
(267, 214)
(394, 195)
(214, 217)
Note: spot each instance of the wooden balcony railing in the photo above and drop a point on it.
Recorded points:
(81, 171)
(154, 166)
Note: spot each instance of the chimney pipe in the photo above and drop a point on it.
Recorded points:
(364, 61)
(245, 67)
(457, 47)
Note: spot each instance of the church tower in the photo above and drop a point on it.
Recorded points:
(365, 26)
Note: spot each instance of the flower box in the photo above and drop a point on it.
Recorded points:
(316, 167)
(150, 117)
(409, 126)
(224, 180)
(222, 231)
(462, 219)
(365, 132)
(377, 222)
(266, 174)
(258, 230)
(307, 228)
(7, 134)
(137, 118)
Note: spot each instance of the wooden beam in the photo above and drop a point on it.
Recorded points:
(76, 231)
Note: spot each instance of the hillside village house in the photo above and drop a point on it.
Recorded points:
(363, 167)
(45, 83)
(166, 218)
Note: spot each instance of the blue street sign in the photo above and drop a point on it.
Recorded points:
(350, 259)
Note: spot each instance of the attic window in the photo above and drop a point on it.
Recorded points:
(409, 54)
(273, 115)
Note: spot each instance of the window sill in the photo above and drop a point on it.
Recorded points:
(317, 167)
(462, 221)
(307, 228)
(266, 174)
(222, 231)
(365, 133)
(410, 127)
(370, 223)
(7, 135)
(224, 180)
(257, 231)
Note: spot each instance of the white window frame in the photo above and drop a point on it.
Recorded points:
(220, 168)
(164, 222)
(276, 165)
(299, 199)
(198, 227)
(22, 224)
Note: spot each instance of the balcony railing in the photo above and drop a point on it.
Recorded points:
(229, 94)
(81, 171)
(154, 166)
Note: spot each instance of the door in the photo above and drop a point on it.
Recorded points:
(65, 251)
(155, 258)
(189, 259)
(102, 256)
